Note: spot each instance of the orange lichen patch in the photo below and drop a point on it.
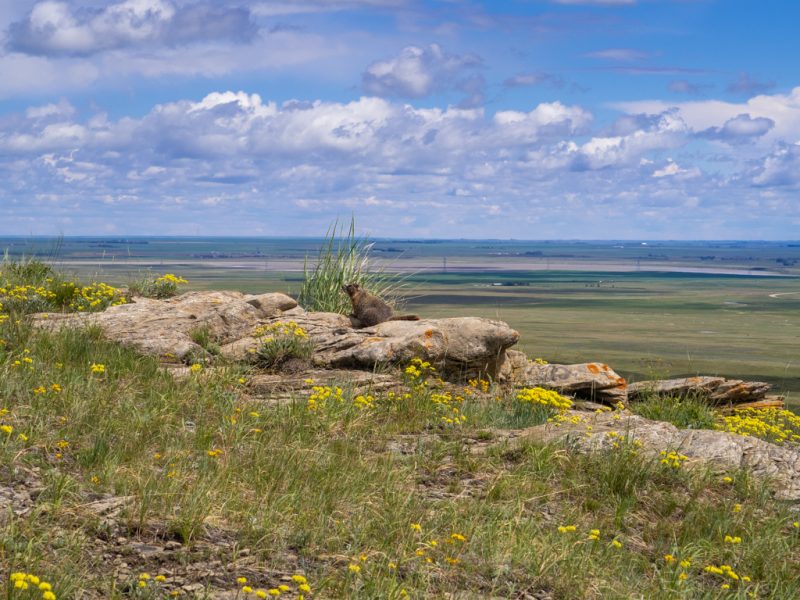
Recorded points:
(694, 379)
(373, 340)
(621, 383)
(429, 333)
(593, 368)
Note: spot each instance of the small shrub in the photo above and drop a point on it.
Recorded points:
(158, 287)
(281, 342)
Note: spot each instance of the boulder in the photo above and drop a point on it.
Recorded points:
(463, 346)
(716, 390)
(164, 327)
(779, 464)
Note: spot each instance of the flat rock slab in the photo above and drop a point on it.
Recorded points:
(163, 327)
(716, 390)
(593, 381)
(781, 464)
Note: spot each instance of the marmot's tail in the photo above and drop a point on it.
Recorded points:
(405, 318)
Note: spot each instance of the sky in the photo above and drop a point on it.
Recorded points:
(525, 119)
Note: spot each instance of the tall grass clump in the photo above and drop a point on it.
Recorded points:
(343, 258)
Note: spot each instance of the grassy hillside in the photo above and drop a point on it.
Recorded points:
(120, 481)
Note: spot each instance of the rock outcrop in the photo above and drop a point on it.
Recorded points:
(719, 449)
(465, 346)
(716, 390)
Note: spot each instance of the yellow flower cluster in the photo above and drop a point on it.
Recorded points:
(365, 402)
(448, 549)
(170, 278)
(565, 418)
(321, 394)
(481, 384)
(672, 459)
(543, 397)
(27, 581)
(449, 405)
(97, 296)
(771, 424)
(418, 369)
(300, 582)
(726, 571)
(284, 329)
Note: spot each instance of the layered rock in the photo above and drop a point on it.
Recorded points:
(592, 381)
(716, 390)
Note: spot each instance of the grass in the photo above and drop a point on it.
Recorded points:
(343, 258)
(686, 413)
(318, 488)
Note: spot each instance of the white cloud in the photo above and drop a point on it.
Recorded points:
(53, 28)
(672, 169)
(417, 72)
(666, 132)
(781, 167)
(242, 163)
(700, 115)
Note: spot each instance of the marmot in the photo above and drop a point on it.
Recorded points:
(369, 310)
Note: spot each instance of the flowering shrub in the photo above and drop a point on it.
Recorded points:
(162, 286)
(57, 296)
(543, 397)
(770, 424)
(280, 342)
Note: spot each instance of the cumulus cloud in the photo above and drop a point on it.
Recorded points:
(417, 72)
(55, 28)
(666, 131)
(781, 167)
(700, 115)
(235, 160)
(739, 130)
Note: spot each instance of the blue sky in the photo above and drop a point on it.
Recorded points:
(535, 119)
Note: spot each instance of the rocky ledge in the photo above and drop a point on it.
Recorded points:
(459, 347)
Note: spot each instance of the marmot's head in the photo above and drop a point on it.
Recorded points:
(351, 288)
